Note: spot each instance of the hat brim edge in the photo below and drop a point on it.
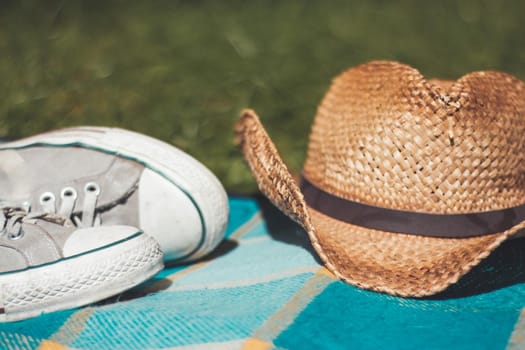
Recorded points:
(277, 183)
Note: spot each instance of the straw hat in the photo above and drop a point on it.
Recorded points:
(408, 183)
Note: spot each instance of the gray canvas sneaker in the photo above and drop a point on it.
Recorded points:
(107, 176)
(48, 264)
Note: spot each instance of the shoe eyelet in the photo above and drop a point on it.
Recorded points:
(47, 197)
(26, 205)
(15, 237)
(92, 187)
(68, 192)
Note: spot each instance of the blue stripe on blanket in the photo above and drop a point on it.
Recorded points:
(195, 316)
(374, 321)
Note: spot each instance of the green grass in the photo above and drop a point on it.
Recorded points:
(182, 70)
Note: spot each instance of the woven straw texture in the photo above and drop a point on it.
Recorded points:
(385, 136)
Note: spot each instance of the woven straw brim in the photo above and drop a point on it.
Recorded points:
(393, 263)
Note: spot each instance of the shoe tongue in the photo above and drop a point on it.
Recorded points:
(33, 171)
(15, 177)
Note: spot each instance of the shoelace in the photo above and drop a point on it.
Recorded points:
(11, 219)
(68, 198)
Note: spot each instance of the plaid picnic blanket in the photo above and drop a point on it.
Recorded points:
(264, 288)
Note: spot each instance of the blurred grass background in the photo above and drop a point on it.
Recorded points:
(181, 71)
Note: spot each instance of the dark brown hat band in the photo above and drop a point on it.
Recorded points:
(413, 223)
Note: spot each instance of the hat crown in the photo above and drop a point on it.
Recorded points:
(385, 136)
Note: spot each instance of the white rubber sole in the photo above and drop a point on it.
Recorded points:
(79, 280)
(192, 177)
